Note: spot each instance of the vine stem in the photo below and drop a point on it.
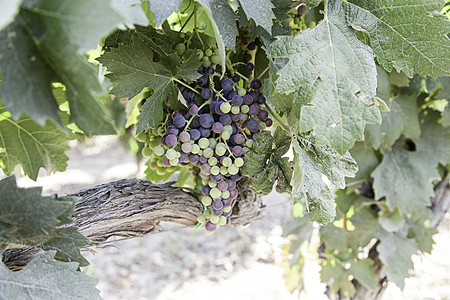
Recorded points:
(277, 118)
(182, 83)
(263, 72)
(245, 78)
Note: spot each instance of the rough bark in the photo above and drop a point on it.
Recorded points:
(134, 208)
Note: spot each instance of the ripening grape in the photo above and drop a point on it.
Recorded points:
(171, 140)
(253, 126)
(255, 84)
(236, 78)
(215, 59)
(210, 226)
(250, 67)
(206, 120)
(184, 137)
(208, 52)
(217, 127)
(301, 10)
(180, 48)
(227, 84)
(211, 42)
(202, 219)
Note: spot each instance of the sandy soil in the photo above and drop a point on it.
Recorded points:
(234, 263)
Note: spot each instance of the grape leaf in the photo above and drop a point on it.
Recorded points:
(45, 278)
(131, 12)
(133, 67)
(281, 7)
(410, 36)
(30, 145)
(441, 85)
(336, 75)
(8, 10)
(365, 222)
(223, 20)
(260, 11)
(446, 116)
(312, 3)
(392, 222)
(395, 253)
(404, 178)
(310, 163)
(366, 159)
(338, 278)
(333, 237)
(363, 271)
(163, 9)
(420, 230)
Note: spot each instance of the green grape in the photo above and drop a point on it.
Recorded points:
(220, 150)
(177, 154)
(225, 135)
(215, 170)
(225, 194)
(235, 110)
(239, 162)
(215, 59)
(202, 219)
(212, 143)
(182, 35)
(154, 143)
(147, 152)
(188, 54)
(215, 193)
(153, 165)
(203, 143)
(242, 92)
(161, 131)
(226, 209)
(311, 24)
(200, 152)
(208, 153)
(211, 42)
(206, 62)
(245, 109)
(228, 128)
(208, 52)
(222, 220)
(206, 200)
(216, 51)
(212, 161)
(161, 171)
(214, 219)
(296, 20)
(180, 48)
(249, 143)
(223, 170)
(155, 131)
(212, 184)
(159, 164)
(186, 147)
(199, 54)
(233, 170)
(227, 162)
(141, 136)
(195, 149)
(171, 154)
(208, 213)
(262, 125)
(225, 107)
(173, 162)
(159, 150)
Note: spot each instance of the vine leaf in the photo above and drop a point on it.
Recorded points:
(395, 253)
(363, 271)
(260, 11)
(403, 177)
(265, 163)
(29, 219)
(45, 278)
(334, 77)
(134, 68)
(32, 146)
(397, 30)
(132, 13)
(310, 163)
(163, 9)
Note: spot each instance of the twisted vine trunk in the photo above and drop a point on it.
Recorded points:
(134, 208)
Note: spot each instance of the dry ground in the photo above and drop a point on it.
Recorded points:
(234, 263)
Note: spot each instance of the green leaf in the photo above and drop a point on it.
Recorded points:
(338, 278)
(44, 278)
(404, 178)
(333, 237)
(260, 11)
(310, 163)
(8, 10)
(366, 159)
(366, 223)
(163, 9)
(420, 230)
(282, 102)
(364, 273)
(410, 36)
(312, 3)
(446, 116)
(30, 145)
(334, 77)
(133, 67)
(131, 12)
(395, 253)
(392, 222)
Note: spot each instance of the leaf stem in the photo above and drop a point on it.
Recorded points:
(245, 78)
(277, 118)
(263, 72)
(182, 83)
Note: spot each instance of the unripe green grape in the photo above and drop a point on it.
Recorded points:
(200, 153)
(214, 219)
(216, 51)
(242, 92)
(208, 213)
(155, 131)
(215, 59)
(245, 109)
(311, 24)
(199, 54)
(211, 42)
(262, 126)
(154, 143)
(147, 152)
(173, 162)
(182, 35)
(180, 48)
(222, 221)
(203, 143)
(233, 169)
(206, 200)
(215, 193)
(177, 154)
(235, 110)
(215, 170)
(212, 184)
(239, 162)
(296, 20)
(205, 181)
(212, 143)
(171, 154)
(225, 135)
(208, 52)
(208, 153)
(159, 163)
(202, 219)
(223, 170)
(227, 162)
(161, 131)
(220, 150)
(186, 147)
(195, 149)
(212, 161)
(170, 169)
(249, 143)
(206, 62)
(225, 194)
(226, 209)
(225, 107)
(141, 137)
(161, 171)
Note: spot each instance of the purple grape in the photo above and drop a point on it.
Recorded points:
(209, 70)
(247, 99)
(253, 126)
(263, 115)
(205, 169)
(204, 132)
(235, 129)
(254, 109)
(184, 137)
(195, 134)
(217, 204)
(217, 127)
(165, 161)
(233, 194)
(225, 120)
(268, 122)
(210, 226)
(216, 178)
(171, 140)
(227, 214)
(261, 99)
(236, 117)
(255, 84)
(255, 95)
(231, 95)
(182, 157)
(250, 67)
(227, 84)
(212, 105)
(202, 159)
(236, 177)
(172, 130)
(301, 10)
(217, 212)
(223, 185)
(206, 120)
(205, 190)
(231, 184)
(193, 109)
(163, 139)
(227, 202)
(179, 121)
(239, 138)
(193, 158)
(206, 93)
(195, 123)
(202, 80)
(244, 117)
(237, 100)
(236, 78)
(237, 150)
(201, 70)
(175, 113)
(217, 108)
(251, 46)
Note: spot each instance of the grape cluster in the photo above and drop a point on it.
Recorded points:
(210, 56)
